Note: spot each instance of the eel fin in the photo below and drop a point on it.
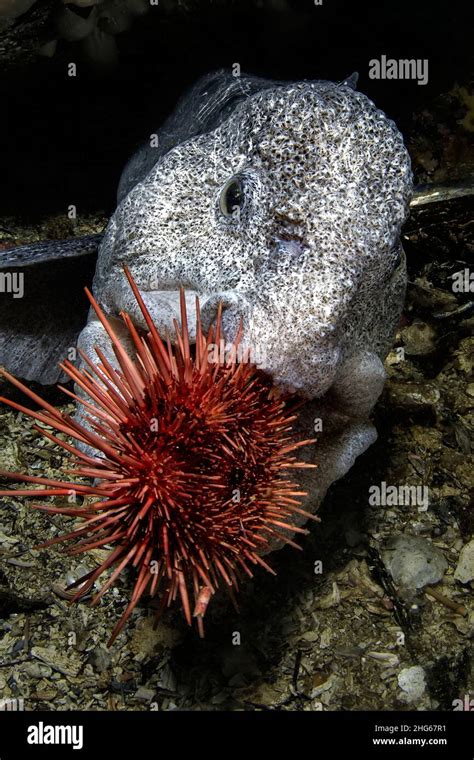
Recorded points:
(50, 250)
(351, 81)
(42, 310)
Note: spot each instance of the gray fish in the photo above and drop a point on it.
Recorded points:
(282, 200)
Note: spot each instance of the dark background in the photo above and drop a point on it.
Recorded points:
(65, 140)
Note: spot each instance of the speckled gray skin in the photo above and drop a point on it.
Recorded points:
(289, 212)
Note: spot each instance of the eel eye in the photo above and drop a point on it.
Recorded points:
(231, 199)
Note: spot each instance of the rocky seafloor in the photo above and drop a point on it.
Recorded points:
(388, 624)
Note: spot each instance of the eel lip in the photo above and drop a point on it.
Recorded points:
(165, 309)
(164, 306)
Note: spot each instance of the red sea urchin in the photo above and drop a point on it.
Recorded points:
(190, 482)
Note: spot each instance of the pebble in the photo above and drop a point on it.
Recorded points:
(419, 339)
(412, 683)
(413, 562)
(66, 663)
(36, 670)
(320, 688)
(310, 636)
(330, 600)
(166, 679)
(144, 694)
(387, 659)
(465, 569)
(412, 396)
(325, 638)
(99, 658)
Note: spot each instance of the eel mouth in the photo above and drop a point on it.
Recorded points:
(348, 386)
(347, 383)
(237, 316)
(164, 306)
(165, 309)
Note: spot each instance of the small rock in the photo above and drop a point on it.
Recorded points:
(99, 658)
(464, 625)
(465, 355)
(395, 357)
(330, 600)
(326, 637)
(419, 339)
(220, 698)
(269, 694)
(36, 670)
(144, 695)
(18, 646)
(432, 298)
(66, 663)
(310, 636)
(412, 396)
(413, 562)
(167, 679)
(318, 683)
(387, 659)
(465, 569)
(412, 683)
(7, 542)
